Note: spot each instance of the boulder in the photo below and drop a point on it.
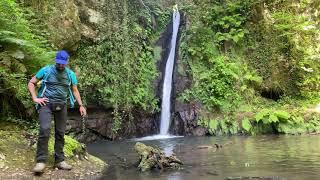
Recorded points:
(64, 25)
(154, 158)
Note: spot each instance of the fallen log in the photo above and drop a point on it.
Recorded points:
(154, 158)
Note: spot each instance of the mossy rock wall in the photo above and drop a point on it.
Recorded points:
(60, 21)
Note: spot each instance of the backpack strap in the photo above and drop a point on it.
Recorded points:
(72, 99)
(43, 85)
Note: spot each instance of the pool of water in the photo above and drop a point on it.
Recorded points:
(259, 157)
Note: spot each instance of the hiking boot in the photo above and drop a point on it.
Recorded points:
(63, 165)
(39, 168)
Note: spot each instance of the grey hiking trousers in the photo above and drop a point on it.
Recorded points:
(59, 112)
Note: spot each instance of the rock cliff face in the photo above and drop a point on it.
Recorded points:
(91, 17)
(98, 125)
(184, 115)
(76, 25)
(63, 24)
(69, 23)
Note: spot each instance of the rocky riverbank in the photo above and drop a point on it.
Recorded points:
(17, 152)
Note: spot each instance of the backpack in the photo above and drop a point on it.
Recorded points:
(43, 85)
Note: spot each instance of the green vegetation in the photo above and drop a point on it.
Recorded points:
(284, 49)
(71, 147)
(123, 61)
(21, 53)
(231, 37)
(220, 73)
(248, 60)
(265, 122)
(238, 51)
(23, 50)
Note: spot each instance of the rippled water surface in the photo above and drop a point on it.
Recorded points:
(262, 157)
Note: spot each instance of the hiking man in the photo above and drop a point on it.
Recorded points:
(57, 83)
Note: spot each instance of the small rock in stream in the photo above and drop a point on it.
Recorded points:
(214, 173)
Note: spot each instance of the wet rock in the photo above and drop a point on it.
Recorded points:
(199, 131)
(212, 173)
(153, 158)
(186, 120)
(98, 125)
(98, 122)
(186, 114)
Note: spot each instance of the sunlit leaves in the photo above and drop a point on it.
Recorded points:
(246, 125)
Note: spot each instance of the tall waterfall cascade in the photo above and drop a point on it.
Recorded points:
(167, 83)
(167, 87)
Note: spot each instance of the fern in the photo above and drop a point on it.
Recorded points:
(246, 125)
(283, 115)
(261, 115)
(273, 118)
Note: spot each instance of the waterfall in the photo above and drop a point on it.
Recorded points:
(167, 86)
(167, 83)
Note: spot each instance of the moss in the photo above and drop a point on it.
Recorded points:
(13, 145)
(71, 147)
(97, 161)
(17, 156)
(15, 138)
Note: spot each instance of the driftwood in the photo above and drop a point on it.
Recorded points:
(154, 158)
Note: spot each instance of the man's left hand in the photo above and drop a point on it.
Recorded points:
(83, 111)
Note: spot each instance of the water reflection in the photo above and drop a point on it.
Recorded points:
(271, 157)
(174, 176)
(156, 137)
(168, 149)
(166, 143)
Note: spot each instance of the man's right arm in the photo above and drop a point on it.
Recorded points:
(32, 89)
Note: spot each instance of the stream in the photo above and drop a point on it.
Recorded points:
(241, 157)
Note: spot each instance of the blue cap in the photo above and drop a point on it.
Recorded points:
(62, 57)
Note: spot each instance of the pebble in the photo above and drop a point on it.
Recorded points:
(3, 157)
(1, 165)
